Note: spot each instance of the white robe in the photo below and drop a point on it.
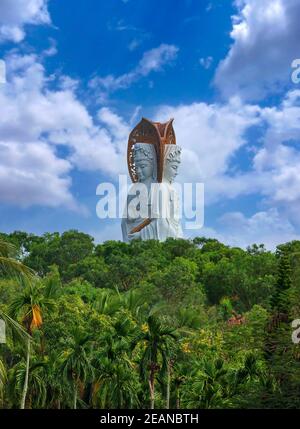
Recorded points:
(164, 215)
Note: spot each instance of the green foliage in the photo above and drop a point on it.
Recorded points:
(180, 324)
(63, 251)
(279, 299)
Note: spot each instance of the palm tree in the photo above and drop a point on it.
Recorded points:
(213, 384)
(208, 385)
(116, 385)
(59, 391)
(3, 378)
(76, 363)
(35, 380)
(116, 382)
(30, 304)
(134, 301)
(13, 268)
(27, 338)
(170, 365)
(10, 266)
(156, 339)
(178, 381)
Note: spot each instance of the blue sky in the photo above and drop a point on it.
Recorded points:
(80, 75)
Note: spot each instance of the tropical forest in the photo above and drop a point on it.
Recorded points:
(183, 324)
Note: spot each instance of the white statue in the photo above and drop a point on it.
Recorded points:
(146, 169)
(153, 167)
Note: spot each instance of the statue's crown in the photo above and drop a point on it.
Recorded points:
(156, 133)
(173, 153)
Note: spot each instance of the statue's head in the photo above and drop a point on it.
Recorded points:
(145, 161)
(171, 162)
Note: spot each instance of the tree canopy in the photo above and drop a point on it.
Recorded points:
(179, 324)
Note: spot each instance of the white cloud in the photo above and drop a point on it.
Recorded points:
(267, 227)
(266, 36)
(277, 162)
(33, 114)
(206, 62)
(116, 125)
(32, 174)
(121, 25)
(210, 135)
(135, 43)
(36, 121)
(52, 50)
(15, 14)
(153, 60)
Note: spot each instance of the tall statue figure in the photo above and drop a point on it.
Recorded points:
(153, 162)
(144, 156)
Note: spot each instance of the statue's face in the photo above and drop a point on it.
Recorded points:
(143, 168)
(171, 170)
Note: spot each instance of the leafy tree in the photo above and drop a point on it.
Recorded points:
(69, 248)
(279, 299)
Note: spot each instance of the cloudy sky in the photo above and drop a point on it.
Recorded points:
(80, 75)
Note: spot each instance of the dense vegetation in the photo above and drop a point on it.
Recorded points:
(180, 324)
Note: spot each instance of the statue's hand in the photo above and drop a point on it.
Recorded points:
(134, 236)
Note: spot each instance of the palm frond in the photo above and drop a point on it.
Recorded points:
(7, 249)
(12, 267)
(16, 327)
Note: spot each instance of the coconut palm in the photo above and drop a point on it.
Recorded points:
(155, 338)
